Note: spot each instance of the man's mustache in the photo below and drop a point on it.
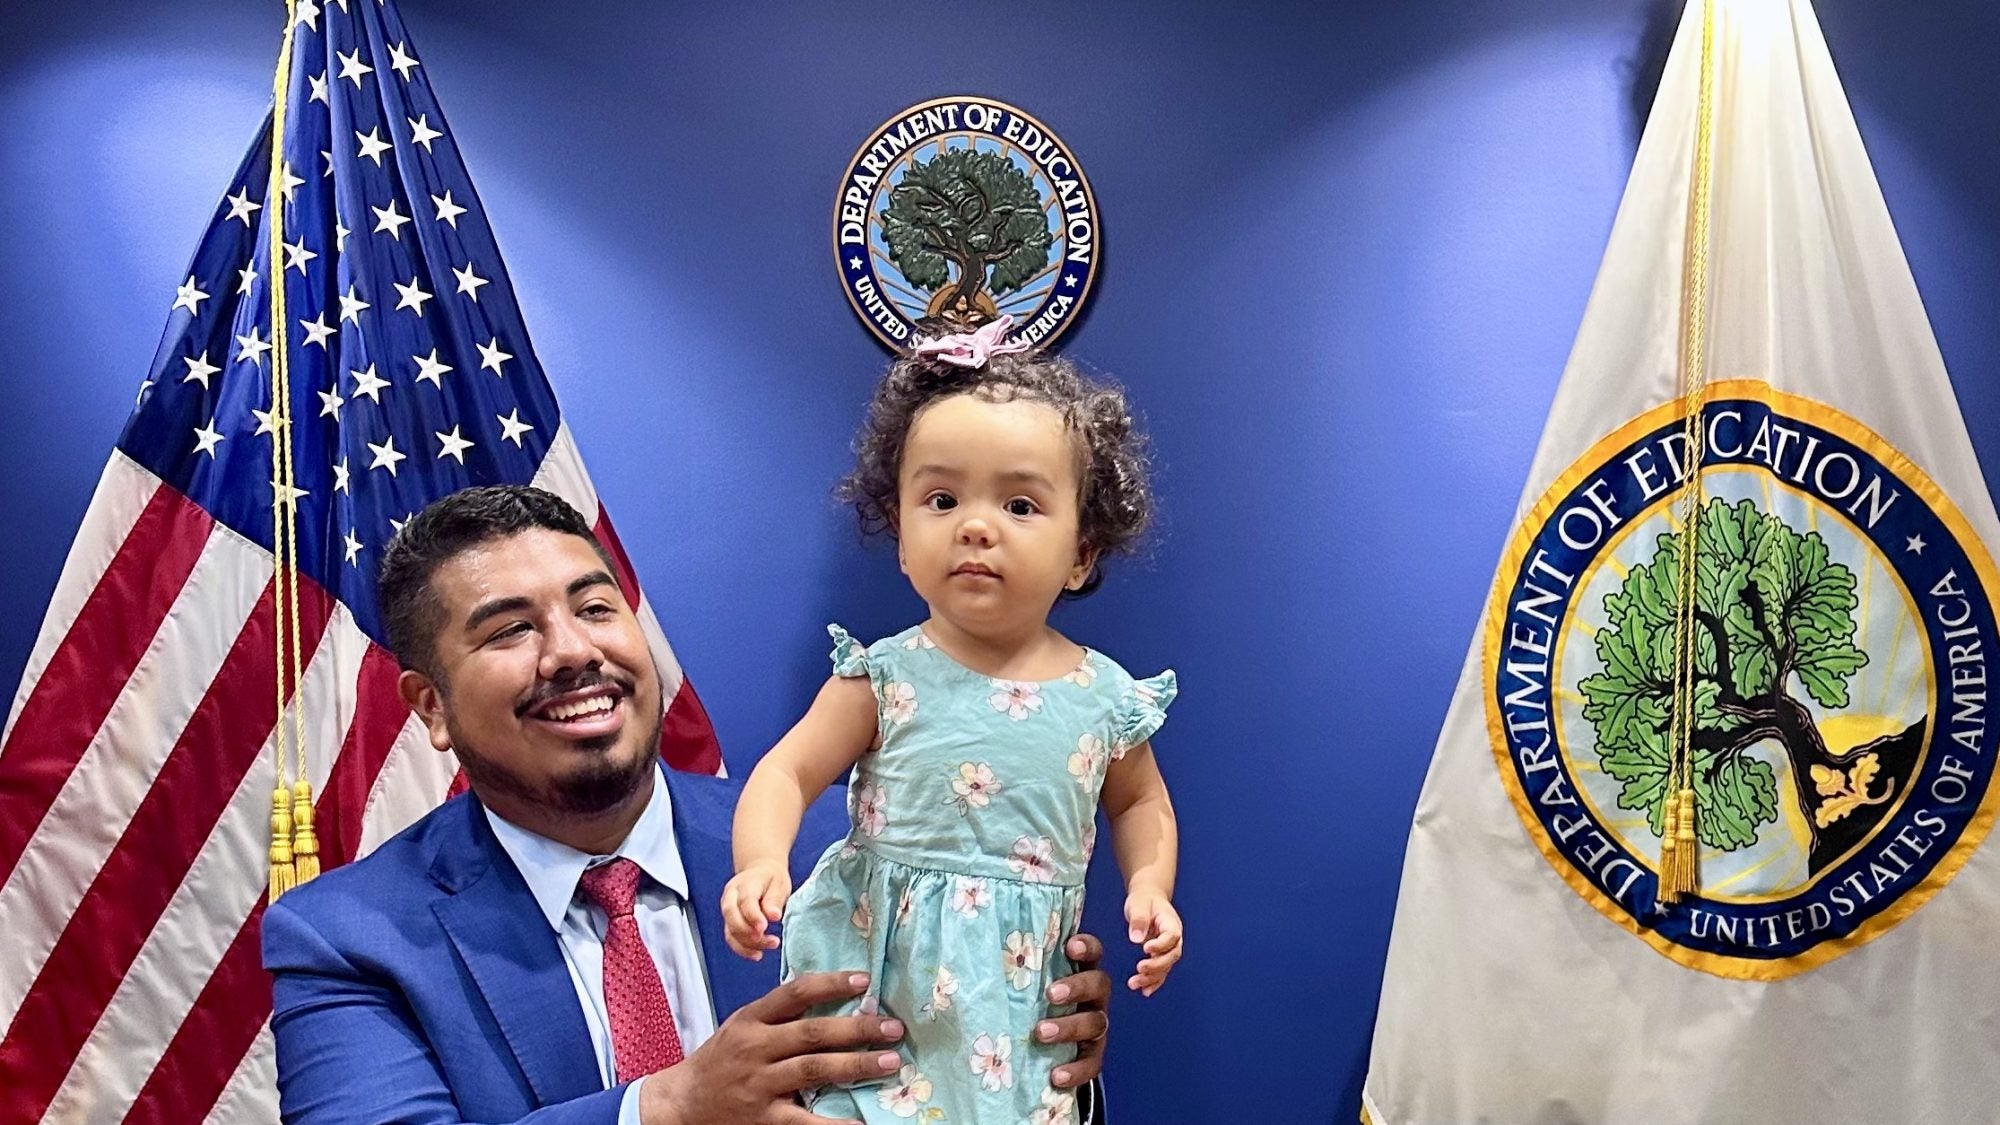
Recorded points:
(590, 677)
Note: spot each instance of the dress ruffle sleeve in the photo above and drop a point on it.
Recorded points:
(850, 657)
(1143, 711)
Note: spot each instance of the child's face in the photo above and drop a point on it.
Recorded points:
(987, 502)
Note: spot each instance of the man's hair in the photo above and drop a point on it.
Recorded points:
(411, 608)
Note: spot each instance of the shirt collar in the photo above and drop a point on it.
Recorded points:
(551, 869)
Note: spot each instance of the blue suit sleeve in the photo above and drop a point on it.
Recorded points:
(350, 1051)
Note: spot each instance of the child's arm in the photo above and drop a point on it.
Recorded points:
(836, 730)
(1146, 839)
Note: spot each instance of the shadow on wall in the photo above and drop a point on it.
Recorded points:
(1643, 69)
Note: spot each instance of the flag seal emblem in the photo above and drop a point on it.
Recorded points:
(961, 209)
(1843, 739)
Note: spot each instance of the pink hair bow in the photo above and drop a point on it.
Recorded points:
(972, 349)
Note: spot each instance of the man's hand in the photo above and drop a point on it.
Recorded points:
(751, 901)
(748, 1072)
(1088, 988)
(1156, 927)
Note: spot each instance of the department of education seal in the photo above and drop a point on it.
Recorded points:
(961, 209)
(1842, 749)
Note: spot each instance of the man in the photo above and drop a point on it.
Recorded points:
(547, 948)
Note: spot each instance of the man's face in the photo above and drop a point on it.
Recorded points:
(544, 684)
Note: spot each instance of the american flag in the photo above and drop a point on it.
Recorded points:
(137, 764)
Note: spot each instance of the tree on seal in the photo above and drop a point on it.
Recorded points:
(1774, 614)
(977, 211)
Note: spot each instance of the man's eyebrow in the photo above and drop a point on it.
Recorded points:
(594, 578)
(487, 610)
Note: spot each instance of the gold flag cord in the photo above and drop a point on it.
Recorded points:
(294, 846)
(1679, 847)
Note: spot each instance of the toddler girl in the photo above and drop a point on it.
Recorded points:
(981, 741)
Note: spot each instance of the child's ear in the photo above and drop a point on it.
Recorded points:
(1086, 561)
(896, 533)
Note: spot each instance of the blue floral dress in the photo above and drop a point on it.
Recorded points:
(962, 875)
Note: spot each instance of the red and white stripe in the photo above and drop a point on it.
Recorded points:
(135, 778)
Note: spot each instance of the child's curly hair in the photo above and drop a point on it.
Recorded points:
(1116, 502)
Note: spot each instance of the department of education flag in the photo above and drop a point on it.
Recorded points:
(1700, 840)
(137, 766)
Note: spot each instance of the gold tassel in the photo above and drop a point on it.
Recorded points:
(1688, 875)
(305, 845)
(1670, 869)
(283, 877)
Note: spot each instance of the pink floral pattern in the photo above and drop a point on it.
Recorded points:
(899, 702)
(906, 1093)
(1020, 959)
(1015, 699)
(991, 1061)
(1031, 859)
(943, 988)
(1084, 674)
(970, 894)
(871, 809)
(1058, 1108)
(1083, 764)
(974, 786)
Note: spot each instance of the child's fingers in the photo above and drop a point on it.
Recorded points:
(738, 941)
(1165, 930)
(1145, 983)
(743, 923)
(772, 901)
(736, 904)
(737, 933)
(1149, 977)
(1138, 921)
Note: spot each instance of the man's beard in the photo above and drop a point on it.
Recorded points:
(597, 786)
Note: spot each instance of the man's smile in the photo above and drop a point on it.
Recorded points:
(585, 712)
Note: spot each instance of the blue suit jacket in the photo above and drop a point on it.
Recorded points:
(421, 985)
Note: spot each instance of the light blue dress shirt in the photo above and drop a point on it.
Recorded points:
(666, 924)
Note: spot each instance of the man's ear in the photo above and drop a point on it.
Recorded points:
(423, 697)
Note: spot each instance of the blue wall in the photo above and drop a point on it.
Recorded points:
(1346, 248)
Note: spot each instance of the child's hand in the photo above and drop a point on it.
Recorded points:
(751, 901)
(1157, 927)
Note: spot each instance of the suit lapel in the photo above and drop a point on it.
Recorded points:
(515, 961)
(703, 809)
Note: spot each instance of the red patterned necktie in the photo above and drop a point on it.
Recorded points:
(643, 1037)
